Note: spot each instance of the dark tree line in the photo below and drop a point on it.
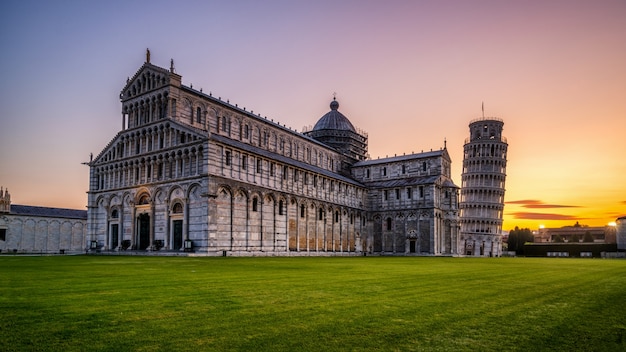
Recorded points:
(517, 238)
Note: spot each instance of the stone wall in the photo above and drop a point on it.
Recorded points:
(33, 234)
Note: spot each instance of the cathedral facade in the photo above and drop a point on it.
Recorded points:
(191, 172)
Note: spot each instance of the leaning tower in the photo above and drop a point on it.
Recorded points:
(482, 191)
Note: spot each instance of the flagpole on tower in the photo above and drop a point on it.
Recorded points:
(483, 109)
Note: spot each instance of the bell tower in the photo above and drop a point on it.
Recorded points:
(5, 201)
(482, 190)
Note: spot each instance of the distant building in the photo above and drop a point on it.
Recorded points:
(621, 233)
(577, 233)
(482, 190)
(575, 250)
(32, 229)
(190, 171)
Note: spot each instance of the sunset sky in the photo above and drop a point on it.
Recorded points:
(410, 73)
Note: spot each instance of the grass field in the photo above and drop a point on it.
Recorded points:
(117, 303)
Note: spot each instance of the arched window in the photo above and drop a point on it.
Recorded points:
(255, 204)
(225, 125)
(388, 224)
(177, 209)
(336, 216)
(115, 214)
(198, 115)
(280, 207)
(227, 157)
(321, 214)
(302, 210)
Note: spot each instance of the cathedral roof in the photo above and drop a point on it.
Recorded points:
(407, 157)
(412, 181)
(283, 159)
(334, 120)
(48, 212)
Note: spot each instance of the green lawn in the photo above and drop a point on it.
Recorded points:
(116, 303)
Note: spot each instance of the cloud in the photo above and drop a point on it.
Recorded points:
(537, 204)
(543, 206)
(623, 202)
(525, 201)
(544, 216)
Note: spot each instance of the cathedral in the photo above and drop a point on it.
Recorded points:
(190, 172)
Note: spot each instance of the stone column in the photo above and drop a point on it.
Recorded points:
(152, 222)
(168, 240)
(186, 219)
(120, 234)
(133, 229)
(177, 161)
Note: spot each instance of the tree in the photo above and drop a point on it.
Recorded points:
(575, 239)
(558, 239)
(517, 238)
(588, 237)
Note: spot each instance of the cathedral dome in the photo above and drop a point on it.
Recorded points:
(334, 120)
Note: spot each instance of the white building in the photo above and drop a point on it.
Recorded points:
(191, 171)
(482, 193)
(33, 229)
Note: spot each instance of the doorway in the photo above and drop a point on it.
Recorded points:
(177, 234)
(412, 246)
(144, 232)
(114, 236)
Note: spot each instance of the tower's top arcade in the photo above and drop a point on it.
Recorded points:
(489, 128)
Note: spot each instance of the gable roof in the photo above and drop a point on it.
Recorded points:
(172, 122)
(146, 67)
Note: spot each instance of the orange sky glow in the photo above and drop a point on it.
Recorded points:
(410, 73)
